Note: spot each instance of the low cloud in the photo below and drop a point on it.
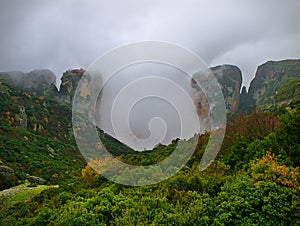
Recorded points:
(61, 35)
(65, 34)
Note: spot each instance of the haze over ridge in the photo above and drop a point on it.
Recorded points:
(72, 34)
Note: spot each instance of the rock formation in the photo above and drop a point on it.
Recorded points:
(37, 81)
(35, 180)
(230, 80)
(270, 77)
(69, 82)
(275, 83)
(21, 118)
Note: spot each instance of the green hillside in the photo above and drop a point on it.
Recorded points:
(255, 179)
(40, 141)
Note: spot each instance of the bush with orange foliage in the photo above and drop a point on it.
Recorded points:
(267, 169)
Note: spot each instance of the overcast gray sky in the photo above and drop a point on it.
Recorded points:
(65, 34)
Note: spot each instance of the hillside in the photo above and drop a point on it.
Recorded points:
(37, 139)
(255, 179)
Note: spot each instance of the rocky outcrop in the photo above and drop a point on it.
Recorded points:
(21, 118)
(200, 100)
(37, 81)
(269, 77)
(35, 180)
(230, 80)
(272, 85)
(69, 82)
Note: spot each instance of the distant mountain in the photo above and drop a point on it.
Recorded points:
(38, 82)
(275, 83)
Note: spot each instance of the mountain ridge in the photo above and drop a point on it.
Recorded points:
(262, 92)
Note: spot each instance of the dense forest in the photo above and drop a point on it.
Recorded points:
(254, 180)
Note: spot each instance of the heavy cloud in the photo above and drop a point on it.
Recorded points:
(65, 34)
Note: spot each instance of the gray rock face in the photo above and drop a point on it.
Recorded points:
(37, 81)
(269, 78)
(22, 118)
(69, 82)
(230, 80)
(200, 100)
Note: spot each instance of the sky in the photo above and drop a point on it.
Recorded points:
(65, 34)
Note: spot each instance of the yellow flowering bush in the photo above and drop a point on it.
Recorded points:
(268, 169)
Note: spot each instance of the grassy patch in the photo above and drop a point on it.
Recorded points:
(24, 193)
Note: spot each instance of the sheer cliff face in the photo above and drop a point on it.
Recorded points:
(266, 89)
(230, 80)
(73, 79)
(69, 82)
(37, 81)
